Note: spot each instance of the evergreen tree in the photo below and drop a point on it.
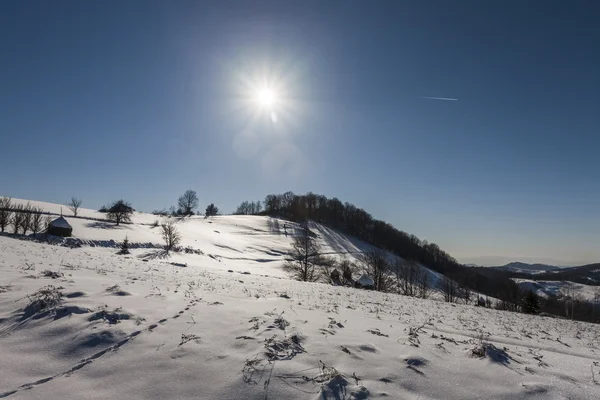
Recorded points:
(211, 210)
(125, 246)
(530, 303)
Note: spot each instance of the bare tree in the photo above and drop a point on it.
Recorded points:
(306, 257)
(46, 223)
(17, 218)
(257, 208)
(170, 235)
(248, 208)
(26, 218)
(423, 284)
(120, 211)
(406, 274)
(243, 209)
(328, 266)
(37, 220)
(377, 266)
(450, 290)
(5, 212)
(74, 205)
(569, 301)
(465, 292)
(188, 202)
(347, 269)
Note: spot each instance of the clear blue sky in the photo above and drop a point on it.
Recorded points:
(143, 100)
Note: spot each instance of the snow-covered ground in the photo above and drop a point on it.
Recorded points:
(559, 288)
(228, 324)
(254, 243)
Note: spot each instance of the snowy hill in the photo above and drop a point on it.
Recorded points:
(87, 323)
(520, 267)
(256, 244)
(585, 274)
(560, 288)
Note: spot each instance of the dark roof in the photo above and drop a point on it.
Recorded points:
(60, 222)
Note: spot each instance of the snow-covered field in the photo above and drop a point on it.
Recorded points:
(228, 324)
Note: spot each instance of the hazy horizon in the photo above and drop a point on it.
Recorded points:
(472, 125)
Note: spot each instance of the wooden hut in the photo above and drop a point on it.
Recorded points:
(60, 227)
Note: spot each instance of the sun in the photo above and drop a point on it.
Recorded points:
(266, 97)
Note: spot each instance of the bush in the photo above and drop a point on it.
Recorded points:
(170, 235)
(44, 298)
(211, 210)
(124, 246)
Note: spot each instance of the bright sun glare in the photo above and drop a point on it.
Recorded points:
(266, 97)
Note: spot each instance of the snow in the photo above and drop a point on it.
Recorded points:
(559, 288)
(60, 222)
(229, 324)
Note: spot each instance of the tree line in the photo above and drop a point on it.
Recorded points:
(306, 262)
(187, 204)
(22, 217)
(355, 221)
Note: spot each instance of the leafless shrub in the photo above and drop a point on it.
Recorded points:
(188, 338)
(189, 250)
(348, 269)
(44, 298)
(170, 235)
(407, 274)
(377, 266)
(112, 317)
(281, 322)
(37, 220)
(5, 212)
(283, 349)
(305, 257)
(74, 205)
(26, 218)
(46, 223)
(423, 284)
(251, 368)
(51, 274)
(17, 218)
(449, 289)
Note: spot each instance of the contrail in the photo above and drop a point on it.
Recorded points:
(439, 98)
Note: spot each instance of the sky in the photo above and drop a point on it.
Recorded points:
(472, 124)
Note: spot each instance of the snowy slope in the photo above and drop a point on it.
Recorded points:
(559, 288)
(524, 268)
(228, 324)
(127, 328)
(254, 243)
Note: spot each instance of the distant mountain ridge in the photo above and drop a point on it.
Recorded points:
(585, 274)
(520, 267)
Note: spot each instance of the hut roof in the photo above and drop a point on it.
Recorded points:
(60, 222)
(365, 280)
